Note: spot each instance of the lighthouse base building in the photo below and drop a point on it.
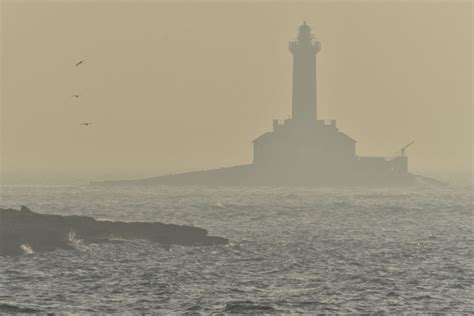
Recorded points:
(302, 150)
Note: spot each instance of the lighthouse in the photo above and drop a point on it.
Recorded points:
(304, 146)
(304, 50)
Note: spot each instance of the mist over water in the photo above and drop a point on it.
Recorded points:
(189, 87)
(291, 250)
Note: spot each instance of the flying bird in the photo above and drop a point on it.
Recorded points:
(80, 62)
(76, 95)
(86, 123)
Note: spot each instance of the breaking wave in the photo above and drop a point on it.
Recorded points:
(77, 243)
(27, 250)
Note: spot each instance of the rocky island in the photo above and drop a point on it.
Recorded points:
(302, 150)
(23, 229)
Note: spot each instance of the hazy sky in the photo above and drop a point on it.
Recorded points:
(178, 86)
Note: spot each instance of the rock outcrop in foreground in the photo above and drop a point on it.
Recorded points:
(22, 231)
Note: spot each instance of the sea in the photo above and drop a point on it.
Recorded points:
(291, 250)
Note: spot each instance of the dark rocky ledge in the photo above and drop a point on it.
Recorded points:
(24, 229)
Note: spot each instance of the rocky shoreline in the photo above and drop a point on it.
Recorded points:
(23, 230)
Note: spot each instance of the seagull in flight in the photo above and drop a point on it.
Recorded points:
(79, 62)
(86, 123)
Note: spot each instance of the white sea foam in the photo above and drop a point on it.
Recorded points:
(72, 236)
(77, 243)
(26, 248)
(218, 205)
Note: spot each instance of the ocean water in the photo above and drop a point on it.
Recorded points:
(292, 250)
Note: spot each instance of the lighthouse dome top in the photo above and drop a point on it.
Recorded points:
(305, 27)
(304, 32)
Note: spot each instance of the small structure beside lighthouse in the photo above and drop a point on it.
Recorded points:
(302, 150)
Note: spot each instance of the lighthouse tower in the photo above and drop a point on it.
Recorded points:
(304, 50)
(303, 146)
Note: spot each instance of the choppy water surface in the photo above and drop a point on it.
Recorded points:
(292, 250)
